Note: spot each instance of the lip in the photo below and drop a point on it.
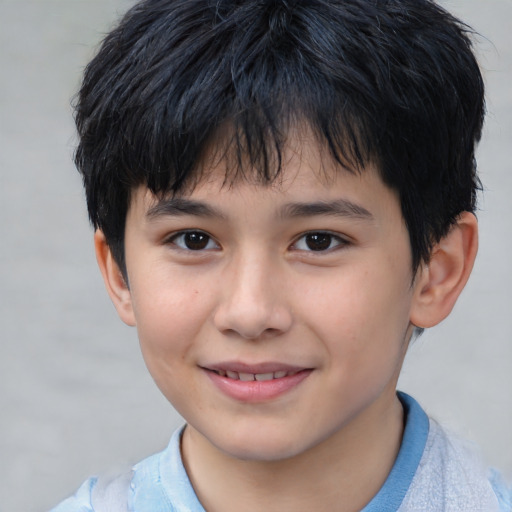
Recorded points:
(254, 391)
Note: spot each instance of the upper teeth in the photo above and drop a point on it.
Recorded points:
(254, 376)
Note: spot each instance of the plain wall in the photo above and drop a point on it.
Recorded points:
(75, 396)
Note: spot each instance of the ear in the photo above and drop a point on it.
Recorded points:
(439, 283)
(114, 280)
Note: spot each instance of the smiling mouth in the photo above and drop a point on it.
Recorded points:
(260, 377)
(256, 383)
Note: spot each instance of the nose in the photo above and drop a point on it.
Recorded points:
(253, 303)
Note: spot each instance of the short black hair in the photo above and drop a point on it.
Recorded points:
(394, 83)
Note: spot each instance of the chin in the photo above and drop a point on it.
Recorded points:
(261, 446)
(262, 452)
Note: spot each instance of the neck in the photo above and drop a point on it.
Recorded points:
(343, 472)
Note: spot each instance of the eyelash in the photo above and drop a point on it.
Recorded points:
(338, 241)
(322, 237)
(182, 234)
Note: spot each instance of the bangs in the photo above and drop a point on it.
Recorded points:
(180, 82)
(253, 69)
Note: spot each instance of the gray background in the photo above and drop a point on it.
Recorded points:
(75, 397)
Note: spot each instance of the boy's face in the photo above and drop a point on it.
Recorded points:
(306, 283)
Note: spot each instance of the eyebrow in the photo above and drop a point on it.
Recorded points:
(178, 206)
(338, 208)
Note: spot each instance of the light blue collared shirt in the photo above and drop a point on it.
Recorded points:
(433, 472)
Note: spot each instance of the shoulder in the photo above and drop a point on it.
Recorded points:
(103, 494)
(451, 476)
(159, 483)
(80, 501)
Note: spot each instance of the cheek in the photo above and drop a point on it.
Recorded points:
(169, 312)
(360, 312)
(170, 315)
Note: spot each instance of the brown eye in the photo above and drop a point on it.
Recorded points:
(318, 241)
(194, 241)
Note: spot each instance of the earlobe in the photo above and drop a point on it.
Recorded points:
(439, 283)
(115, 282)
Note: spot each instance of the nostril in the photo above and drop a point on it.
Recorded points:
(251, 307)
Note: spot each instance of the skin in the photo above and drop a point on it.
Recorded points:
(253, 292)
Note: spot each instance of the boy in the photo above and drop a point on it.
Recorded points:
(283, 196)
